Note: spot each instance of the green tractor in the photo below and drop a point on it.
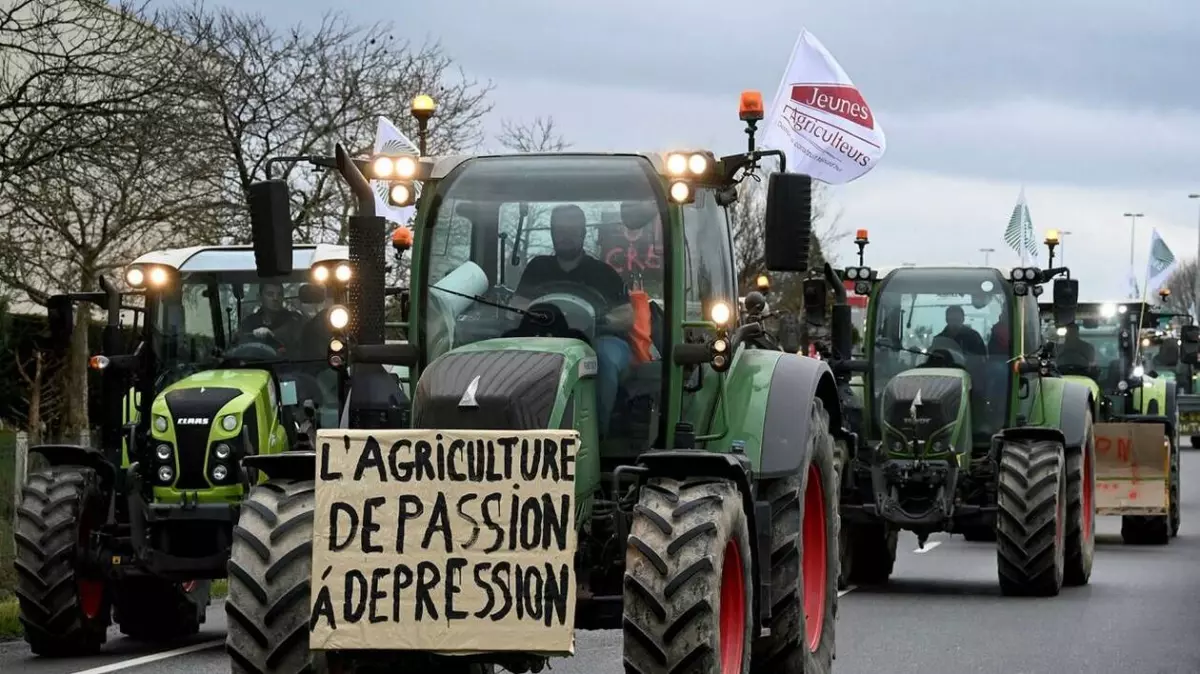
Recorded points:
(135, 530)
(1127, 354)
(963, 425)
(704, 491)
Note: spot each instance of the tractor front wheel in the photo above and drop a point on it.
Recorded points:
(873, 548)
(270, 572)
(1081, 509)
(1031, 517)
(688, 574)
(64, 608)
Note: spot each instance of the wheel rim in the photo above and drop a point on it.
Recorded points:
(816, 560)
(733, 610)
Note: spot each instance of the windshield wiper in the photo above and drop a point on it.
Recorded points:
(540, 317)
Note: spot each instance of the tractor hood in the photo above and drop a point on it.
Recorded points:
(194, 415)
(920, 411)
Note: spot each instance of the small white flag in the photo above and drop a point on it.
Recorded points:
(390, 140)
(820, 121)
(1161, 264)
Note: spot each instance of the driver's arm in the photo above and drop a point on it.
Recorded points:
(527, 286)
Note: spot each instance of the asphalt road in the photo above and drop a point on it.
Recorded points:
(941, 613)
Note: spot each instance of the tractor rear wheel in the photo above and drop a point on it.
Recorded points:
(64, 609)
(805, 528)
(1031, 517)
(1081, 509)
(150, 609)
(873, 548)
(841, 456)
(688, 574)
(269, 581)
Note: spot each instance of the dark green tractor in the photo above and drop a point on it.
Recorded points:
(704, 483)
(963, 425)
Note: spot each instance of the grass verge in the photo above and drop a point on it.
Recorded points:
(10, 625)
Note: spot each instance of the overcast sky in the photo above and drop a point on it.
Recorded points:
(1092, 105)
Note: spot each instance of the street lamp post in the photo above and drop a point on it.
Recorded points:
(986, 252)
(1133, 240)
(1196, 271)
(1062, 248)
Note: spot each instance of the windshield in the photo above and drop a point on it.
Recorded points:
(577, 236)
(953, 318)
(1091, 346)
(215, 319)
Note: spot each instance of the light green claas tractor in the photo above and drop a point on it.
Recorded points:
(1126, 354)
(963, 425)
(705, 509)
(135, 530)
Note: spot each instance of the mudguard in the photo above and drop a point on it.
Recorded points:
(78, 455)
(777, 390)
(1063, 404)
(292, 465)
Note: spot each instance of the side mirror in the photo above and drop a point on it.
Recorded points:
(60, 314)
(816, 295)
(789, 333)
(1066, 299)
(1190, 334)
(1189, 344)
(271, 226)
(311, 293)
(788, 222)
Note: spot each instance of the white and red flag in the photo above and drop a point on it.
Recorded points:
(820, 120)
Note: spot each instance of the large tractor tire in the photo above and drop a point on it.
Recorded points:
(841, 457)
(873, 548)
(65, 610)
(1031, 518)
(1174, 491)
(154, 610)
(269, 581)
(1081, 510)
(688, 576)
(805, 532)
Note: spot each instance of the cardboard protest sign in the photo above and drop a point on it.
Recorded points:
(1132, 469)
(445, 541)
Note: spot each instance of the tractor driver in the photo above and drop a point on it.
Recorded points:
(569, 263)
(967, 338)
(272, 319)
(1075, 351)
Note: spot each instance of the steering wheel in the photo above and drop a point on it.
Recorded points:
(588, 294)
(548, 320)
(945, 352)
(253, 350)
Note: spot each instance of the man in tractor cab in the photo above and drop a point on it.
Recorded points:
(1075, 352)
(272, 321)
(966, 336)
(570, 264)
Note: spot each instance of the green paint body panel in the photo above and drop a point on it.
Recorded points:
(255, 387)
(954, 436)
(1152, 390)
(747, 385)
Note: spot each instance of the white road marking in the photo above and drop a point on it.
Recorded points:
(928, 546)
(147, 659)
(848, 590)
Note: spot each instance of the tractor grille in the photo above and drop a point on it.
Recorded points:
(516, 390)
(192, 439)
(940, 399)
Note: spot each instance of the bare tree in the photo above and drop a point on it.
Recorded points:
(539, 135)
(1182, 284)
(266, 92)
(72, 74)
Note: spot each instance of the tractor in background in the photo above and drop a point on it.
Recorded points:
(1127, 354)
(135, 530)
(962, 423)
(707, 519)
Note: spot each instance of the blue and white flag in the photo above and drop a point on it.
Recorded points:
(1161, 265)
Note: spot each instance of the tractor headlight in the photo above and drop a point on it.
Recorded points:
(1108, 310)
(160, 423)
(163, 452)
(339, 317)
(681, 192)
(719, 313)
(166, 473)
(320, 273)
(219, 472)
(158, 277)
(135, 277)
(223, 451)
(1138, 371)
(229, 422)
(342, 273)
